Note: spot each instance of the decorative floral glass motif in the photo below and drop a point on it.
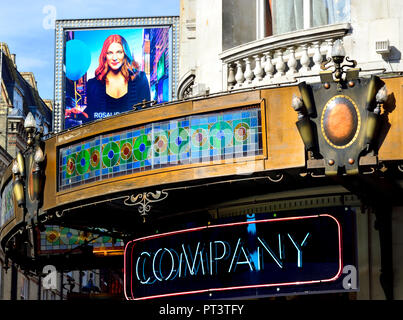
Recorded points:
(56, 239)
(203, 138)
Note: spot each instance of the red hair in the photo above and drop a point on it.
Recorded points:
(129, 68)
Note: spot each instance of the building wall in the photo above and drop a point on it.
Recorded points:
(231, 24)
(1, 281)
(4, 109)
(6, 284)
(208, 46)
(187, 36)
(369, 258)
(3, 125)
(382, 20)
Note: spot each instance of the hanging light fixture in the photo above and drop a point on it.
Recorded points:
(30, 127)
(304, 124)
(35, 179)
(338, 55)
(373, 121)
(18, 187)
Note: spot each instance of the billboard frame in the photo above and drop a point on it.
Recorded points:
(61, 26)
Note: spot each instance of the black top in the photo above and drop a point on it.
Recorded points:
(115, 104)
(101, 105)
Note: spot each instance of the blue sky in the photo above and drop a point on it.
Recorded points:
(25, 27)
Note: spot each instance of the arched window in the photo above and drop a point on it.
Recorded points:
(185, 88)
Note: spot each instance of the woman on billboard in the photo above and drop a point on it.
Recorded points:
(118, 83)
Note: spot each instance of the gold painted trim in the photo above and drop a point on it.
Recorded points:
(358, 124)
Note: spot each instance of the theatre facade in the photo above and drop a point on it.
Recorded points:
(278, 181)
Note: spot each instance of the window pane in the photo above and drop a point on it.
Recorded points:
(18, 101)
(330, 12)
(239, 22)
(289, 15)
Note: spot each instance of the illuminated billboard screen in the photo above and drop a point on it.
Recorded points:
(161, 67)
(106, 67)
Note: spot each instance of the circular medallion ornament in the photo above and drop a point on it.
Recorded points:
(141, 147)
(95, 157)
(160, 144)
(241, 131)
(83, 161)
(179, 141)
(110, 154)
(52, 236)
(199, 137)
(221, 135)
(69, 236)
(126, 151)
(340, 122)
(70, 166)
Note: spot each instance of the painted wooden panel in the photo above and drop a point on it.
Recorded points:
(392, 128)
(284, 144)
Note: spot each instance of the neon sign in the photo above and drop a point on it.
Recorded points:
(255, 254)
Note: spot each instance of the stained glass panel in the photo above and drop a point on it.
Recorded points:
(56, 239)
(200, 138)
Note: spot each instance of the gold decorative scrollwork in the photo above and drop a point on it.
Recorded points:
(277, 178)
(143, 200)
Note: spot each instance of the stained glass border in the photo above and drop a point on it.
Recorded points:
(201, 138)
(56, 239)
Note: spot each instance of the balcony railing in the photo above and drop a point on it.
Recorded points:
(279, 59)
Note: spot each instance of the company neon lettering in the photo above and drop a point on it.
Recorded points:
(214, 257)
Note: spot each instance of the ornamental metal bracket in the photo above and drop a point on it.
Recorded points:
(339, 119)
(28, 182)
(143, 200)
(338, 55)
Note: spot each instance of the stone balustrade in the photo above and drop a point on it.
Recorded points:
(279, 59)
